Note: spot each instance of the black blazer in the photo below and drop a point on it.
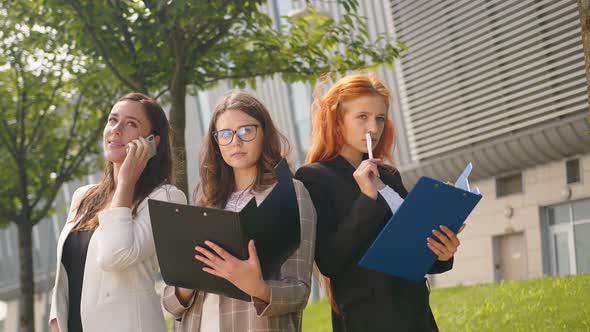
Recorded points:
(348, 222)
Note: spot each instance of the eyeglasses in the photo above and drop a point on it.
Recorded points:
(246, 133)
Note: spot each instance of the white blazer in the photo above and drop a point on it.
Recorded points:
(118, 289)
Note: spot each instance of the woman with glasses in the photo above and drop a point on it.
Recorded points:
(239, 154)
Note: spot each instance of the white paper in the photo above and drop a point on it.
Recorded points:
(462, 182)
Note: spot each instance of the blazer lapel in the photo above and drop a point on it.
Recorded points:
(342, 167)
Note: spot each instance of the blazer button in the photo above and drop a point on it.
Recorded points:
(108, 294)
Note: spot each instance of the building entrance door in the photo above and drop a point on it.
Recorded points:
(510, 257)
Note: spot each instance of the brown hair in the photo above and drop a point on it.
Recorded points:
(217, 177)
(327, 138)
(158, 171)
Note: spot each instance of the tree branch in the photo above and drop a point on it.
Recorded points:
(101, 47)
(39, 193)
(159, 94)
(205, 47)
(72, 130)
(5, 140)
(124, 27)
(9, 215)
(66, 172)
(37, 133)
(249, 75)
(194, 38)
(20, 158)
(84, 150)
(21, 108)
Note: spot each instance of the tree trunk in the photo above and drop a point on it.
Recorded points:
(178, 124)
(27, 284)
(584, 9)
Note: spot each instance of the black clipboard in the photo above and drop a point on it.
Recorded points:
(274, 226)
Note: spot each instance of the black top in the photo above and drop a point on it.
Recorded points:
(348, 222)
(74, 259)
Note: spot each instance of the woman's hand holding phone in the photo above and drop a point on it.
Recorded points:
(139, 152)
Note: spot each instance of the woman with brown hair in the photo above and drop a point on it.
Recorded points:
(239, 154)
(354, 197)
(106, 254)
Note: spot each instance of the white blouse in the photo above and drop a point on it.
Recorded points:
(210, 317)
(392, 198)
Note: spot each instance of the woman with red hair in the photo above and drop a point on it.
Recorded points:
(354, 197)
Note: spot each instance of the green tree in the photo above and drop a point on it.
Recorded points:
(172, 48)
(51, 114)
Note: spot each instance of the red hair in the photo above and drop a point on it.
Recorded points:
(327, 139)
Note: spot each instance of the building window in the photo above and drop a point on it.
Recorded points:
(572, 171)
(509, 185)
(568, 238)
(558, 214)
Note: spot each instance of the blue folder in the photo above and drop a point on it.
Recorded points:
(400, 249)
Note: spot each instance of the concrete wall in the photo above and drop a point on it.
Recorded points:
(542, 186)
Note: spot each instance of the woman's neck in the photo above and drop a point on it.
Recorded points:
(244, 177)
(116, 168)
(353, 156)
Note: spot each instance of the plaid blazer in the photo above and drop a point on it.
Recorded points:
(289, 292)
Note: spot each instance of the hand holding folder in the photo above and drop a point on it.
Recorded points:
(400, 249)
(178, 229)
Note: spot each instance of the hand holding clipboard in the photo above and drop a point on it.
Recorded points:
(178, 229)
(399, 249)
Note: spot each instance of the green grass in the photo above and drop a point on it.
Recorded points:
(546, 304)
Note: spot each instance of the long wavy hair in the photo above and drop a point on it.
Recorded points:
(327, 134)
(158, 171)
(217, 177)
(328, 114)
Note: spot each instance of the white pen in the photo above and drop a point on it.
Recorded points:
(369, 145)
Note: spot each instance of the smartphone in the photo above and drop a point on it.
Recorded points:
(153, 147)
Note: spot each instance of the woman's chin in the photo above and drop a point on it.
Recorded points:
(362, 151)
(115, 158)
(242, 164)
